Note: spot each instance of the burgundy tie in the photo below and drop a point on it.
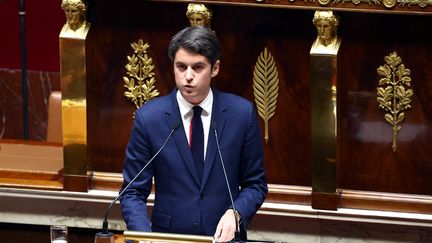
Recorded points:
(197, 140)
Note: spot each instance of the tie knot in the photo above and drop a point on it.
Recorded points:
(197, 111)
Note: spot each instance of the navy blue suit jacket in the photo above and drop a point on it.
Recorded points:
(183, 202)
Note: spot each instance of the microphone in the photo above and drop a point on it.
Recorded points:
(237, 230)
(105, 235)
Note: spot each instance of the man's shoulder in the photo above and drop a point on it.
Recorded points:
(231, 97)
(232, 100)
(156, 105)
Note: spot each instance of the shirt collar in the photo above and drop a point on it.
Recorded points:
(186, 107)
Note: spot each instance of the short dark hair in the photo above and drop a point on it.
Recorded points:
(197, 39)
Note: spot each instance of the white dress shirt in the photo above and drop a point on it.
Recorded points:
(186, 113)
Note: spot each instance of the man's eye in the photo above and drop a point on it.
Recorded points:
(198, 68)
(181, 67)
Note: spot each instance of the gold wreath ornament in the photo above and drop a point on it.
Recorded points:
(140, 80)
(394, 96)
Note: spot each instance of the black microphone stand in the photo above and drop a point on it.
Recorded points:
(108, 237)
(237, 235)
(24, 69)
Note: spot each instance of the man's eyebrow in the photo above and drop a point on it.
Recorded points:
(193, 64)
(199, 63)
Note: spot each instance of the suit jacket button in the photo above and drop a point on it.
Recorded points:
(196, 225)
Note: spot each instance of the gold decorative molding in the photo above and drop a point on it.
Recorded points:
(140, 80)
(386, 3)
(266, 87)
(357, 2)
(389, 3)
(420, 3)
(393, 96)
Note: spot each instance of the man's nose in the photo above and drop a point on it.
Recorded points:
(189, 74)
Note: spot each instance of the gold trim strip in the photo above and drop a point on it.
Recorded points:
(166, 237)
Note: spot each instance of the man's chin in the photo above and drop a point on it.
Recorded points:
(189, 97)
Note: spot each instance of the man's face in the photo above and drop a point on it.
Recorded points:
(193, 73)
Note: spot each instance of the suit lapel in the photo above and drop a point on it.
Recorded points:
(218, 119)
(180, 137)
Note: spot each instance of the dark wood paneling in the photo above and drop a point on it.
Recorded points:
(396, 202)
(401, 7)
(115, 26)
(287, 152)
(367, 160)
(242, 38)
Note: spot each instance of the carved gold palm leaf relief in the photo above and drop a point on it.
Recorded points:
(394, 96)
(140, 80)
(266, 87)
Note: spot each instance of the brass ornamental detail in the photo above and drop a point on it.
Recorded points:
(140, 80)
(266, 87)
(420, 3)
(389, 3)
(386, 3)
(357, 2)
(394, 96)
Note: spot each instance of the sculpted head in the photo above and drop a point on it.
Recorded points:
(198, 15)
(75, 11)
(326, 24)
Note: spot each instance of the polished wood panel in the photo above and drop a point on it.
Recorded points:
(397, 202)
(114, 27)
(352, 6)
(31, 164)
(286, 154)
(106, 181)
(367, 160)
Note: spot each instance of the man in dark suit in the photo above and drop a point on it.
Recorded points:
(192, 196)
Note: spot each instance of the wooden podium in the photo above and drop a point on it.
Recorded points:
(139, 236)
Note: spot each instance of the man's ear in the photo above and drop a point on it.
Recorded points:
(215, 70)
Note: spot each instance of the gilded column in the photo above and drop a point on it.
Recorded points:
(74, 103)
(323, 83)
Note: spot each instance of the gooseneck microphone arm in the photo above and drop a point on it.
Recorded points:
(105, 222)
(237, 230)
